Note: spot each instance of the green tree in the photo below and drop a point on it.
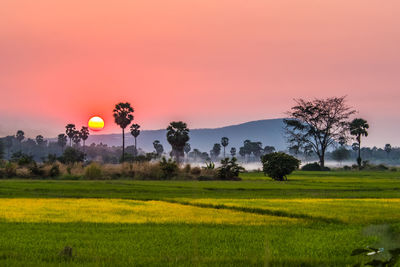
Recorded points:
(224, 143)
(123, 117)
(20, 136)
(70, 132)
(278, 165)
(233, 152)
(62, 141)
(269, 149)
(359, 127)
(72, 155)
(177, 137)
(84, 135)
(135, 133)
(318, 123)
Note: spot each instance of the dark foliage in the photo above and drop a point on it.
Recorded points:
(229, 169)
(72, 155)
(314, 167)
(169, 168)
(317, 124)
(278, 165)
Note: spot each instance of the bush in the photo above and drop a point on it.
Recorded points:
(346, 168)
(54, 171)
(10, 170)
(169, 168)
(229, 169)
(278, 165)
(195, 171)
(36, 170)
(22, 159)
(93, 171)
(314, 167)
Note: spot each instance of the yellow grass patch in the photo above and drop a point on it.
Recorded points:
(123, 211)
(362, 211)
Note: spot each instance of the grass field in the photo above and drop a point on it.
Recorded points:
(314, 219)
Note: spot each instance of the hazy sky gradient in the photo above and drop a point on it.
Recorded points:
(210, 63)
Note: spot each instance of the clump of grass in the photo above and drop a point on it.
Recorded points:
(93, 171)
(147, 171)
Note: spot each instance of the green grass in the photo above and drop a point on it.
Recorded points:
(356, 209)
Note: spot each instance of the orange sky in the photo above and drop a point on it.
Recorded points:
(207, 62)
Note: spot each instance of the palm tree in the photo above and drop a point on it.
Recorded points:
(177, 136)
(20, 136)
(84, 134)
(135, 133)
(76, 138)
(224, 143)
(158, 147)
(70, 132)
(123, 117)
(358, 128)
(62, 141)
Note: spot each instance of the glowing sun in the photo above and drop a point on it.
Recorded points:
(96, 123)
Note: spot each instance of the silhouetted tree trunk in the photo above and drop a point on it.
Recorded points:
(123, 144)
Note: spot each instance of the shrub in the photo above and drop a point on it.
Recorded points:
(22, 159)
(54, 171)
(10, 170)
(380, 167)
(278, 165)
(314, 167)
(229, 169)
(195, 171)
(169, 168)
(93, 171)
(393, 169)
(346, 168)
(36, 170)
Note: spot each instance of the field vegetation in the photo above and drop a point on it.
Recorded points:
(313, 219)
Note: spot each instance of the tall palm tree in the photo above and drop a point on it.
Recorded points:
(62, 141)
(76, 138)
(177, 136)
(224, 143)
(20, 136)
(358, 128)
(123, 117)
(70, 132)
(135, 133)
(84, 134)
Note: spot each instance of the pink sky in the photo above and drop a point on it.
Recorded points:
(210, 63)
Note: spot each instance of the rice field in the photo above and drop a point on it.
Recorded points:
(314, 219)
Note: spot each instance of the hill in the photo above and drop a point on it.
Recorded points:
(269, 132)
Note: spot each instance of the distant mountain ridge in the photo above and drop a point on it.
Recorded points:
(269, 132)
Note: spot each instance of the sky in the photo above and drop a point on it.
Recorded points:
(209, 63)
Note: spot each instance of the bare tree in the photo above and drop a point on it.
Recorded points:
(319, 123)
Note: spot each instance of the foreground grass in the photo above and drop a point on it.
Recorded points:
(314, 219)
(39, 244)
